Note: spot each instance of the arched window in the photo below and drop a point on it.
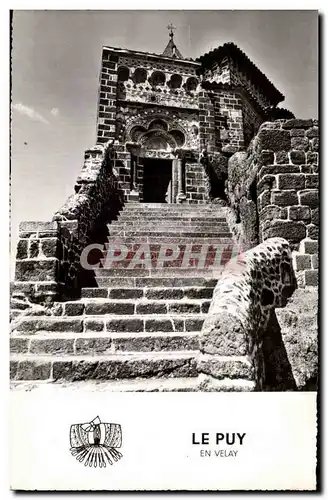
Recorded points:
(175, 81)
(178, 137)
(123, 74)
(158, 78)
(140, 75)
(158, 124)
(191, 84)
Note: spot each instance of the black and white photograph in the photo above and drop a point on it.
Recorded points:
(165, 240)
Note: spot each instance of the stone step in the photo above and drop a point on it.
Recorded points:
(176, 384)
(178, 240)
(156, 248)
(95, 307)
(158, 293)
(137, 219)
(157, 226)
(222, 233)
(152, 281)
(195, 272)
(172, 206)
(164, 204)
(69, 344)
(112, 323)
(109, 367)
(162, 215)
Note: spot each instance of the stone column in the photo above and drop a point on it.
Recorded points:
(181, 197)
(134, 149)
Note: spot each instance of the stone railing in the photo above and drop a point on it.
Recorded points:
(241, 195)
(48, 253)
(288, 190)
(250, 288)
(272, 190)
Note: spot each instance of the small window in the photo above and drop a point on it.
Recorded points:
(123, 74)
(175, 81)
(158, 78)
(140, 75)
(191, 84)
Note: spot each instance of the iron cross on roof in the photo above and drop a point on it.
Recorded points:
(171, 28)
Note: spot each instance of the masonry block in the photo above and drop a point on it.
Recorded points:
(274, 140)
(271, 212)
(33, 370)
(22, 247)
(297, 123)
(281, 157)
(297, 157)
(49, 247)
(312, 231)
(73, 309)
(312, 181)
(34, 247)
(36, 270)
(312, 132)
(309, 246)
(94, 325)
(267, 182)
(311, 277)
(300, 143)
(291, 181)
(300, 213)
(18, 345)
(315, 217)
(52, 346)
(284, 198)
(220, 368)
(290, 230)
(93, 346)
(302, 262)
(310, 198)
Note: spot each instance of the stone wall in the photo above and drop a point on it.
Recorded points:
(246, 295)
(252, 119)
(273, 191)
(241, 194)
(196, 184)
(107, 98)
(48, 253)
(37, 264)
(287, 190)
(228, 107)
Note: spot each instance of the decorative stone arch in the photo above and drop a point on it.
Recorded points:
(157, 139)
(137, 126)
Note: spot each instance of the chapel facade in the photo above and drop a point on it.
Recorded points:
(165, 114)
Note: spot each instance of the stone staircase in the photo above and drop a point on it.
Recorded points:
(137, 327)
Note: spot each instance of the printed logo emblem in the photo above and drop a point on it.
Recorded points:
(95, 443)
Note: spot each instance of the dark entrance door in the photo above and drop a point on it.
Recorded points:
(157, 178)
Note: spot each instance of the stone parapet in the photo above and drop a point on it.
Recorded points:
(288, 189)
(249, 290)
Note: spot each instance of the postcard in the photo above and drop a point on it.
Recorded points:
(165, 226)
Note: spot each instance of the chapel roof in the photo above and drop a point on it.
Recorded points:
(245, 64)
(171, 50)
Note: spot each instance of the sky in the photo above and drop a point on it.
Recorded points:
(56, 58)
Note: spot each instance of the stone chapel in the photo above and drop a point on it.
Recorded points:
(134, 282)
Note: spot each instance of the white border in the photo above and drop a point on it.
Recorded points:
(4, 138)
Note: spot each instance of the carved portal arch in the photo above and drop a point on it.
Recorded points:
(156, 131)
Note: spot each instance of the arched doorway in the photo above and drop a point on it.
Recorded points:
(157, 176)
